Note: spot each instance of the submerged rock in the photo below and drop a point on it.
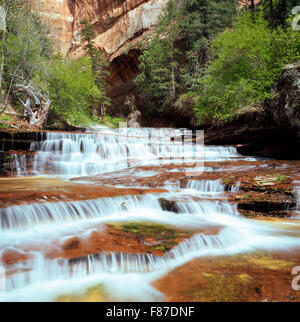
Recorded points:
(168, 205)
(71, 243)
(11, 255)
(91, 294)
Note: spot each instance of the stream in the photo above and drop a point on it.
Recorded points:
(73, 202)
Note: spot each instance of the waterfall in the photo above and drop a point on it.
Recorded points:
(297, 187)
(206, 186)
(207, 207)
(201, 207)
(82, 154)
(26, 217)
(20, 162)
(40, 269)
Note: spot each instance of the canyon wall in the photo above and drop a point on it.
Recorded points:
(119, 25)
(59, 15)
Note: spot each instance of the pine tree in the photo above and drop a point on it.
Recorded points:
(204, 19)
(99, 63)
(276, 12)
(158, 78)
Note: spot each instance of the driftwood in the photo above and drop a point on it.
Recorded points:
(36, 114)
(8, 124)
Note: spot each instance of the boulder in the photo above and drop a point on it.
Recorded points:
(71, 243)
(11, 255)
(285, 106)
(168, 205)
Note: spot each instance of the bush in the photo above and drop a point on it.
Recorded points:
(4, 118)
(248, 59)
(112, 122)
(73, 90)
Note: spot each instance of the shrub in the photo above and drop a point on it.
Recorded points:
(248, 59)
(73, 90)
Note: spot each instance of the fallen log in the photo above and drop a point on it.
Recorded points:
(38, 114)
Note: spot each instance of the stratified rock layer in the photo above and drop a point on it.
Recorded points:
(119, 25)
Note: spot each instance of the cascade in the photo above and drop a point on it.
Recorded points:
(197, 206)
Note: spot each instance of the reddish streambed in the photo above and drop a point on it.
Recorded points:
(107, 216)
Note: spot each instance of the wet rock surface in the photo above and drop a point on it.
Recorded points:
(33, 190)
(129, 237)
(258, 277)
(11, 256)
(154, 219)
(168, 205)
(266, 188)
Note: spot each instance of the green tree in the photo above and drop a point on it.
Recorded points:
(159, 68)
(278, 11)
(25, 47)
(248, 60)
(177, 54)
(204, 20)
(99, 63)
(73, 90)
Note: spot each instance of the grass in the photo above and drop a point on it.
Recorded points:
(111, 122)
(6, 119)
(164, 236)
(281, 178)
(245, 197)
(225, 180)
(145, 230)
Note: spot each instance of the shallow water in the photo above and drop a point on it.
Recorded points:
(30, 226)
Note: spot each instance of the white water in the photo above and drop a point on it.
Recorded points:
(201, 205)
(206, 187)
(18, 218)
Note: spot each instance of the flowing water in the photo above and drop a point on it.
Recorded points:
(125, 276)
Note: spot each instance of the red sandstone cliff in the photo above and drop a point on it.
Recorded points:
(119, 25)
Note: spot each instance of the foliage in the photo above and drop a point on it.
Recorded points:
(4, 118)
(25, 48)
(112, 122)
(278, 11)
(204, 19)
(179, 49)
(73, 90)
(99, 63)
(248, 60)
(75, 87)
(27, 44)
(158, 79)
